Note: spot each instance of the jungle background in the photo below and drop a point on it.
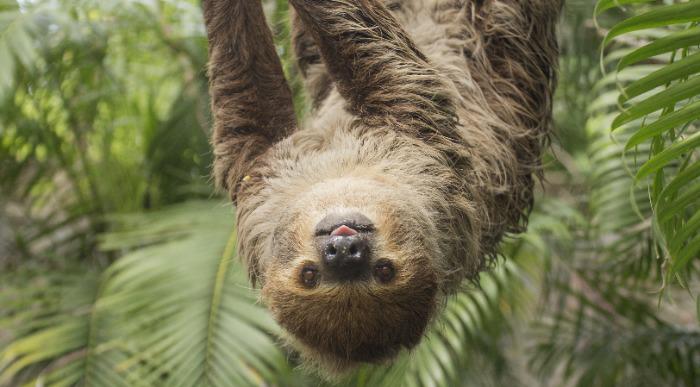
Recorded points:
(117, 257)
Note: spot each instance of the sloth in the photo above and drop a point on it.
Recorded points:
(419, 155)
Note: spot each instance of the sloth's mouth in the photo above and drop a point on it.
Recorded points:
(344, 230)
(347, 224)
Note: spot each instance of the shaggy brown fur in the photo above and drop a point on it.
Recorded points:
(429, 118)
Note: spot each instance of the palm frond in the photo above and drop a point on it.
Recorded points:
(176, 307)
(603, 337)
(204, 326)
(601, 326)
(664, 105)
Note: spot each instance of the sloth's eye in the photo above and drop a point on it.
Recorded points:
(384, 271)
(309, 276)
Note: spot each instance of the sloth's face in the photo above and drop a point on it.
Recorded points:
(352, 276)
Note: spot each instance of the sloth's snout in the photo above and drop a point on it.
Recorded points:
(344, 242)
(346, 257)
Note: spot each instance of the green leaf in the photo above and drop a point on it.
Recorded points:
(685, 67)
(666, 210)
(662, 100)
(684, 234)
(44, 345)
(657, 17)
(666, 122)
(681, 180)
(690, 251)
(671, 42)
(669, 154)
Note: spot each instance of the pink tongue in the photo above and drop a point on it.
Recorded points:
(343, 231)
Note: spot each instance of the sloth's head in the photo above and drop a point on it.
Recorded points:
(351, 272)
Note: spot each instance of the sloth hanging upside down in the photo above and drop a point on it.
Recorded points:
(427, 125)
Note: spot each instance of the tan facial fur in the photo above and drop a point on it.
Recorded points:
(379, 318)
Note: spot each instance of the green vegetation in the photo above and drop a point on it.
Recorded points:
(117, 258)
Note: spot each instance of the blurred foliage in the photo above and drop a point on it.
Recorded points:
(117, 260)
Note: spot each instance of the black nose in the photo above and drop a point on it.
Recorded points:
(344, 242)
(346, 257)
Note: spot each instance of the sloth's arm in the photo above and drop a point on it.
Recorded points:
(383, 76)
(519, 48)
(251, 101)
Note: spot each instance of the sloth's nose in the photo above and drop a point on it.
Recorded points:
(344, 241)
(346, 256)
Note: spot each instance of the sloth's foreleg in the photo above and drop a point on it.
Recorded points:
(251, 101)
(386, 81)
